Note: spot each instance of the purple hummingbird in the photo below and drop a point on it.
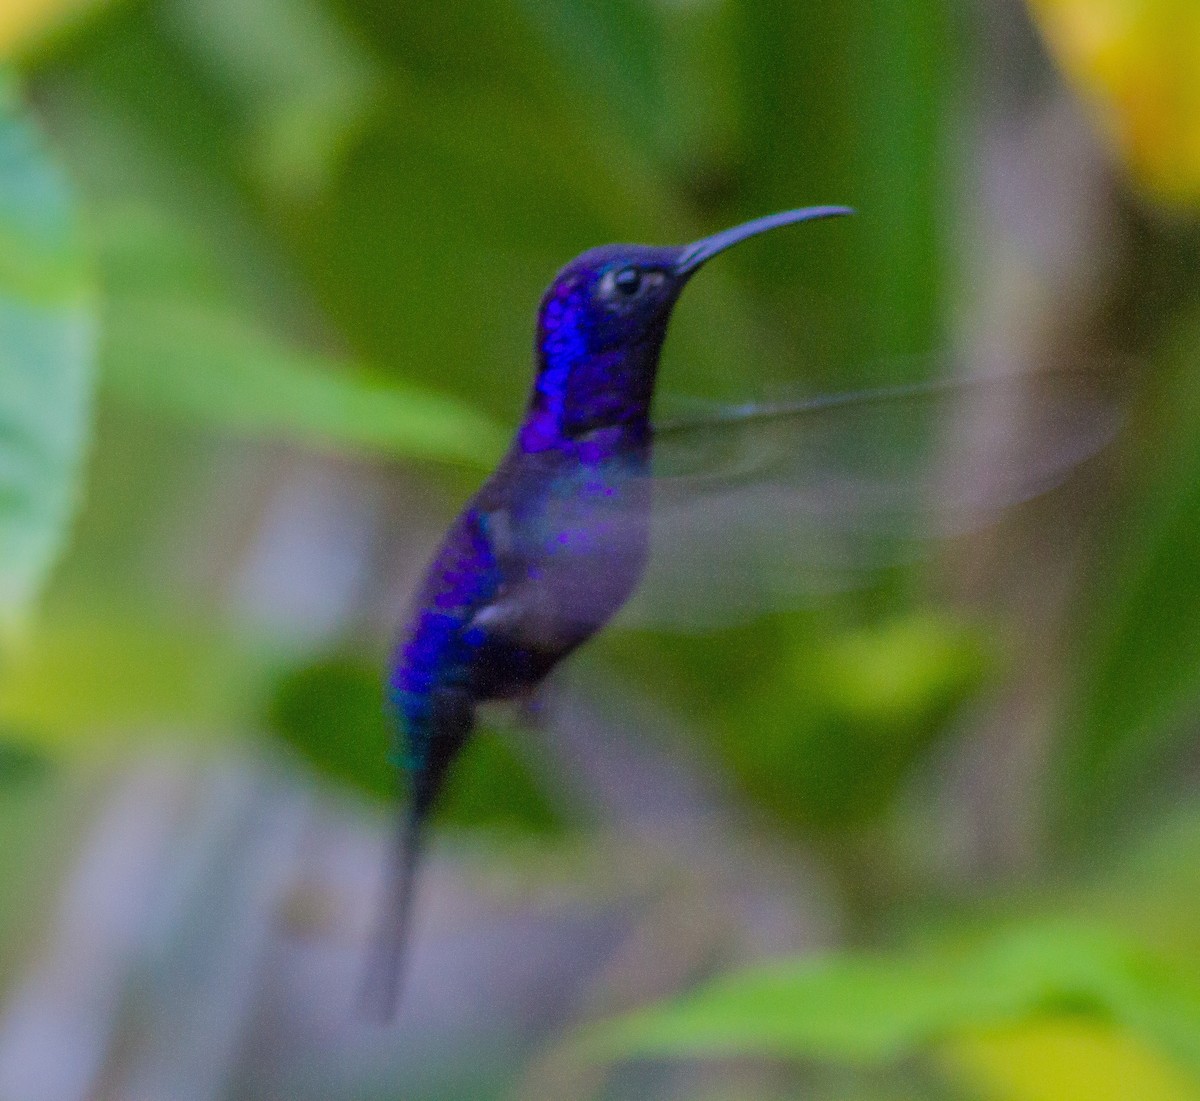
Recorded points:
(557, 540)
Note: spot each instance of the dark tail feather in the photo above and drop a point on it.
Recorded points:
(385, 964)
(452, 719)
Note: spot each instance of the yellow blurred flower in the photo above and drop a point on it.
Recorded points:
(1066, 1059)
(1138, 63)
(22, 21)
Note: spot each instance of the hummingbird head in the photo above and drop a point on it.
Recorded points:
(602, 324)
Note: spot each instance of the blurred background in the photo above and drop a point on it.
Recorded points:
(268, 274)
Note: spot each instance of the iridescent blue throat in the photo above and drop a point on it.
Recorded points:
(590, 374)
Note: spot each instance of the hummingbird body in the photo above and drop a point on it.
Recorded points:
(533, 566)
(556, 540)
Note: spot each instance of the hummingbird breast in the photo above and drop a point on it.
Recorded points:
(545, 554)
(570, 530)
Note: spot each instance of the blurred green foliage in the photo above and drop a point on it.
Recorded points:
(330, 713)
(325, 224)
(857, 1009)
(839, 712)
(46, 359)
(1139, 665)
(1091, 1002)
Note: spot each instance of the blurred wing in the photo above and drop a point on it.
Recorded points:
(759, 506)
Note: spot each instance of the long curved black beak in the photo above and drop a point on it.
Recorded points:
(706, 248)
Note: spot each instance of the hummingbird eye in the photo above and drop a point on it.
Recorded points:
(629, 284)
(628, 281)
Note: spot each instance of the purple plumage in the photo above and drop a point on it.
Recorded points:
(554, 542)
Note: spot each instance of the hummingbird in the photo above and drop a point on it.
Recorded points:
(554, 542)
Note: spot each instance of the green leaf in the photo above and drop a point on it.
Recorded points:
(203, 320)
(175, 342)
(876, 1009)
(197, 362)
(46, 361)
